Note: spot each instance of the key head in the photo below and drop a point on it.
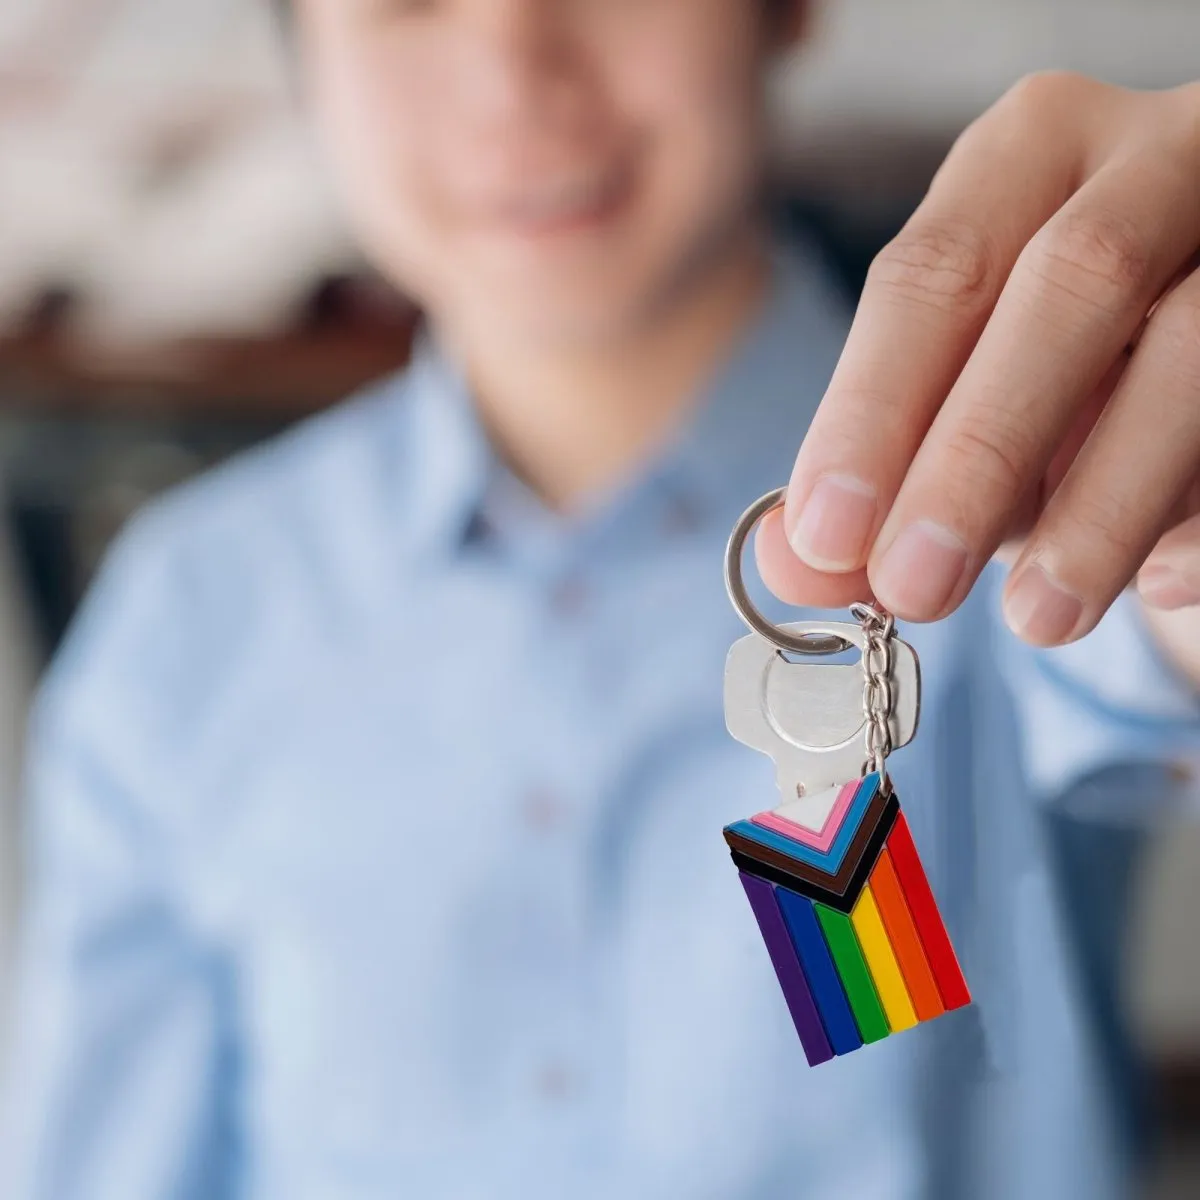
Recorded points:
(807, 716)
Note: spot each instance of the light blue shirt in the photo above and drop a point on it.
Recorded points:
(375, 843)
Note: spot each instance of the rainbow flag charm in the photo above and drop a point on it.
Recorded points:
(832, 874)
(848, 917)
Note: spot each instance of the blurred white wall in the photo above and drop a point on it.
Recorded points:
(208, 212)
(937, 63)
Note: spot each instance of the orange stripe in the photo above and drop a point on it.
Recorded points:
(902, 933)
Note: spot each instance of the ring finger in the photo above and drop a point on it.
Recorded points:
(1122, 490)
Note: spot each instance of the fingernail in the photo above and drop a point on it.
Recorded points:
(1165, 587)
(921, 569)
(833, 527)
(1039, 610)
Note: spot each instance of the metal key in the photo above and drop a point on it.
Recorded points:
(809, 718)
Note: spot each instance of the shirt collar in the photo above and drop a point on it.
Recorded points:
(743, 435)
(738, 442)
(449, 455)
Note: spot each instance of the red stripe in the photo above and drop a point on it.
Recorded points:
(906, 942)
(928, 920)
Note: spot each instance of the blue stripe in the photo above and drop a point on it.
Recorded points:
(823, 979)
(831, 860)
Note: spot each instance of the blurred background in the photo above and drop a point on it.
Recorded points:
(175, 283)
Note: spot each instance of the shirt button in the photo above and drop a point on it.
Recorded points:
(543, 809)
(479, 530)
(682, 517)
(568, 597)
(556, 1082)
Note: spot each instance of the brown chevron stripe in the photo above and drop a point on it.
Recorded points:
(838, 891)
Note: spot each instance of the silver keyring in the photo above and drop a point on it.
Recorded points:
(795, 643)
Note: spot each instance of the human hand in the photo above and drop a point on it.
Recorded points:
(1024, 363)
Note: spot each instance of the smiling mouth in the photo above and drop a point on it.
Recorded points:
(566, 206)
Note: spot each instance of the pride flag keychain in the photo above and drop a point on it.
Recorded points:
(832, 874)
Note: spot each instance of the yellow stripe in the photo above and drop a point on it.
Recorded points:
(881, 961)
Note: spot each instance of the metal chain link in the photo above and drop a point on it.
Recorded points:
(878, 628)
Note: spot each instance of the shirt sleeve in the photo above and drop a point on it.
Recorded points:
(117, 1044)
(1110, 700)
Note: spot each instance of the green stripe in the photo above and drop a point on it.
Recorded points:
(852, 967)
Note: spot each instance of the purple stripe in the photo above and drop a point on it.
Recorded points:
(787, 967)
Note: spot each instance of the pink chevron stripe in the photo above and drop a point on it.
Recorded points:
(819, 840)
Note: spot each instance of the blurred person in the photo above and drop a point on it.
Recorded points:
(376, 798)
